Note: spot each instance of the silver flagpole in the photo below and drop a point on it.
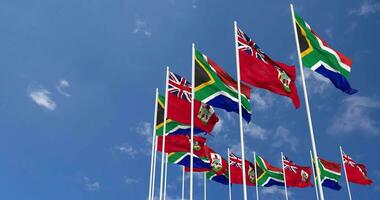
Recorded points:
(183, 182)
(192, 119)
(314, 147)
(166, 174)
(315, 181)
(164, 133)
(204, 186)
(229, 175)
(345, 173)
(283, 171)
(240, 113)
(257, 184)
(151, 184)
(154, 167)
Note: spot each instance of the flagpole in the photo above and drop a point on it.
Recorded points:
(307, 105)
(164, 133)
(312, 166)
(283, 171)
(154, 167)
(192, 118)
(257, 184)
(345, 173)
(204, 186)
(151, 184)
(229, 175)
(166, 174)
(240, 113)
(183, 182)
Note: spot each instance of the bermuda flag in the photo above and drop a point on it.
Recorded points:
(181, 143)
(217, 88)
(295, 175)
(356, 173)
(179, 105)
(172, 127)
(318, 56)
(236, 171)
(330, 174)
(259, 70)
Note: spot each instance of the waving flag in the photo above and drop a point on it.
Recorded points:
(295, 175)
(215, 87)
(221, 178)
(183, 158)
(179, 105)
(236, 171)
(259, 70)
(318, 56)
(330, 174)
(268, 175)
(172, 127)
(181, 143)
(356, 173)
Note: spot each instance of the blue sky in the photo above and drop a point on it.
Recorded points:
(77, 86)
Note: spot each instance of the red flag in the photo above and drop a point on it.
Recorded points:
(179, 105)
(181, 143)
(218, 163)
(356, 173)
(259, 70)
(236, 171)
(296, 176)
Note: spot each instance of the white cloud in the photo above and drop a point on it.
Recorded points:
(127, 149)
(256, 131)
(145, 129)
(366, 8)
(129, 180)
(141, 27)
(262, 100)
(91, 185)
(329, 32)
(356, 115)
(219, 126)
(62, 84)
(274, 191)
(41, 97)
(316, 83)
(284, 137)
(194, 4)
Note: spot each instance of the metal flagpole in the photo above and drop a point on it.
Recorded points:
(283, 171)
(151, 184)
(204, 186)
(345, 173)
(166, 174)
(315, 181)
(240, 113)
(192, 119)
(154, 167)
(229, 175)
(183, 183)
(164, 133)
(307, 104)
(257, 184)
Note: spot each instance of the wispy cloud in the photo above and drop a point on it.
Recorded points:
(194, 4)
(219, 126)
(130, 180)
(316, 82)
(127, 149)
(41, 97)
(91, 185)
(329, 32)
(262, 100)
(366, 8)
(141, 27)
(145, 129)
(284, 137)
(62, 85)
(256, 131)
(274, 191)
(356, 115)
